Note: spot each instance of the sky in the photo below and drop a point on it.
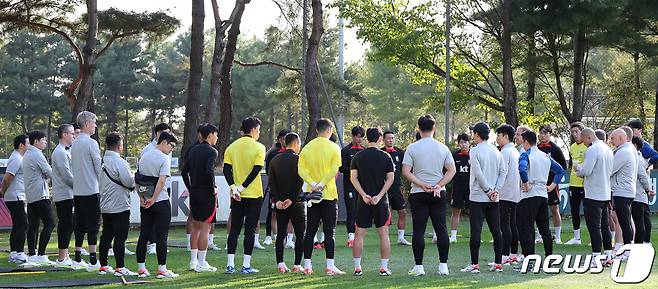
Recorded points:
(257, 16)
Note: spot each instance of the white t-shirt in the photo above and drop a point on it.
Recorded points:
(154, 163)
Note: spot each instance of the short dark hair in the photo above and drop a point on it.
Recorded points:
(333, 137)
(62, 129)
(358, 130)
(579, 125)
(601, 134)
(638, 142)
(249, 123)
(530, 137)
(291, 138)
(161, 127)
(283, 133)
(636, 124)
(323, 124)
(35, 135)
(508, 130)
(207, 130)
(112, 140)
(373, 134)
(426, 123)
(198, 129)
(20, 139)
(165, 136)
(546, 128)
(464, 137)
(388, 132)
(418, 136)
(482, 129)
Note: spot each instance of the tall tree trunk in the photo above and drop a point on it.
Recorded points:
(509, 88)
(580, 47)
(86, 90)
(638, 87)
(218, 52)
(225, 93)
(531, 71)
(312, 86)
(194, 81)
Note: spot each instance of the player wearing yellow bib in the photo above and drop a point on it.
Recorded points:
(243, 161)
(576, 190)
(318, 165)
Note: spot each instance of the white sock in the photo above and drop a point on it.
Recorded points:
(384, 263)
(400, 234)
(141, 266)
(194, 255)
(189, 239)
(608, 253)
(537, 233)
(576, 234)
(202, 256)
(321, 236)
(230, 260)
(290, 236)
(246, 261)
(350, 236)
(357, 262)
(211, 239)
(315, 239)
(453, 234)
(330, 263)
(257, 238)
(617, 246)
(613, 235)
(558, 233)
(307, 264)
(162, 268)
(419, 267)
(282, 265)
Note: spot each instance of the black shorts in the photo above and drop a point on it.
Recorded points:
(203, 209)
(459, 199)
(365, 214)
(577, 192)
(395, 198)
(554, 197)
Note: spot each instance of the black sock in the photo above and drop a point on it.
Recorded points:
(78, 256)
(92, 258)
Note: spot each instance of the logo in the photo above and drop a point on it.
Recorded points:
(463, 169)
(638, 264)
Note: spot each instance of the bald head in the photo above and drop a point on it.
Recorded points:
(588, 136)
(618, 137)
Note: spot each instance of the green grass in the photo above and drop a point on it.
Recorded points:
(401, 261)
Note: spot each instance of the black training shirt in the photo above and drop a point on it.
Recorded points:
(283, 179)
(199, 169)
(554, 151)
(397, 154)
(372, 164)
(347, 153)
(460, 182)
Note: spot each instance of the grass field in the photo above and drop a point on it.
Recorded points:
(401, 261)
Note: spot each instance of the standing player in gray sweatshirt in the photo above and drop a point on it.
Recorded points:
(488, 173)
(63, 191)
(596, 170)
(86, 166)
(37, 171)
(643, 191)
(510, 193)
(13, 192)
(116, 184)
(623, 180)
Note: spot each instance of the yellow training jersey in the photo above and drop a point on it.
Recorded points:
(243, 154)
(577, 153)
(318, 163)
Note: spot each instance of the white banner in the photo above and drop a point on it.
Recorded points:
(179, 198)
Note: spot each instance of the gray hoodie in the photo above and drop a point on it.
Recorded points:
(488, 171)
(596, 170)
(115, 198)
(62, 175)
(86, 165)
(36, 172)
(643, 181)
(624, 171)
